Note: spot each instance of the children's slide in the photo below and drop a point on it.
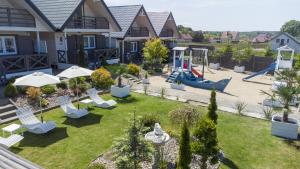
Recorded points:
(268, 69)
(195, 72)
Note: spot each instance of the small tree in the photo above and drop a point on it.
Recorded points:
(227, 49)
(185, 155)
(268, 52)
(297, 63)
(190, 114)
(131, 150)
(206, 142)
(81, 60)
(212, 107)
(216, 55)
(155, 52)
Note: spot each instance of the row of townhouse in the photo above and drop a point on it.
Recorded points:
(45, 34)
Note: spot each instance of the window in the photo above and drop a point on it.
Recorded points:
(8, 45)
(277, 40)
(134, 46)
(288, 41)
(89, 42)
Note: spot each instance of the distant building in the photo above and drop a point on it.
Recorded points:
(214, 40)
(282, 39)
(185, 37)
(261, 38)
(230, 36)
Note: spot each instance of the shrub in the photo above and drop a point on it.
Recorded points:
(268, 112)
(148, 121)
(97, 166)
(163, 92)
(240, 107)
(212, 107)
(62, 85)
(48, 89)
(33, 93)
(101, 78)
(190, 114)
(206, 141)
(44, 102)
(80, 86)
(185, 155)
(133, 69)
(10, 90)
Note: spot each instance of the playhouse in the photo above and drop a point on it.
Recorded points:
(183, 71)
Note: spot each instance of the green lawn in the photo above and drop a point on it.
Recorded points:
(75, 143)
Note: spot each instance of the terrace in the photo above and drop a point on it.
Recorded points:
(138, 32)
(16, 18)
(88, 22)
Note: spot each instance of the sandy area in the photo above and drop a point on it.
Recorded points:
(237, 90)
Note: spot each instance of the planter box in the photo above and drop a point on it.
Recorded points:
(239, 69)
(112, 61)
(277, 84)
(146, 81)
(177, 86)
(215, 66)
(283, 129)
(120, 92)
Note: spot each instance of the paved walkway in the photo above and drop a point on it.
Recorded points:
(224, 104)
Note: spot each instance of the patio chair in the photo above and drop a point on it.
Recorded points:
(11, 140)
(98, 101)
(69, 109)
(33, 124)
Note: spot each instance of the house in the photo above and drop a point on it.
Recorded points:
(283, 39)
(165, 27)
(76, 23)
(231, 36)
(136, 30)
(185, 37)
(261, 38)
(40, 34)
(214, 40)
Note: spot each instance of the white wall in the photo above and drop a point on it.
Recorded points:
(292, 44)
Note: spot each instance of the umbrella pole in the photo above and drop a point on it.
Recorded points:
(42, 119)
(77, 93)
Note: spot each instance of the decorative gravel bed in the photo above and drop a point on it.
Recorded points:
(23, 100)
(171, 149)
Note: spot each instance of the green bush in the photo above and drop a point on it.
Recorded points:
(149, 120)
(44, 102)
(10, 90)
(97, 166)
(190, 114)
(62, 85)
(133, 69)
(48, 89)
(78, 85)
(101, 78)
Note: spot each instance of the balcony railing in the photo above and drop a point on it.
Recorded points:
(16, 18)
(138, 32)
(167, 33)
(87, 22)
(20, 63)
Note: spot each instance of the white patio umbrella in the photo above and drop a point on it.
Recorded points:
(37, 79)
(74, 72)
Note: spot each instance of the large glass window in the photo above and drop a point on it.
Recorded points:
(8, 45)
(89, 42)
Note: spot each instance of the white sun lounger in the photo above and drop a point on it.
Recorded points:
(11, 140)
(69, 109)
(31, 123)
(98, 101)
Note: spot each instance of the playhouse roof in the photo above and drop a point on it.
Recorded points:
(180, 48)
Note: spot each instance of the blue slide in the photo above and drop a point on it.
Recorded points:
(268, 69)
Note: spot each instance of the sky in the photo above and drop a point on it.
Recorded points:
(224, 15)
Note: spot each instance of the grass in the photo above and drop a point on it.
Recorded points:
(247, 142)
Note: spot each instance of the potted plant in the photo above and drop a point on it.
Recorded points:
(120, 90)
(241, 56)
(284, 126)
(146, 80)
(216, 55)
(177, 85)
